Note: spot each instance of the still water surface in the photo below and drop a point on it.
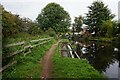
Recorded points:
(102, 56)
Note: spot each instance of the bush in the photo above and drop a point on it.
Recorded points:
(51, 32)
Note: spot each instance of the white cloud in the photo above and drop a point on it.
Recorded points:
(31, 8)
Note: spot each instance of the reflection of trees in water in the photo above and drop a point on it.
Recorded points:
(117, 45)
(118, 57)
(100, 56)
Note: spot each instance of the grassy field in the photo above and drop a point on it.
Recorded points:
(72, 68)
(28, 66)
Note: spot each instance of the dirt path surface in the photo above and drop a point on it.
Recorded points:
(47, 62)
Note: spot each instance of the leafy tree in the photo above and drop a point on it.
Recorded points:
(26, 24)
(10, 27)
(110, 28)
(51, 32)
(116, 28)
(78, 23)
(34, 29)
(107, 28)
(13, 25)
(97, 13)
(54, 16)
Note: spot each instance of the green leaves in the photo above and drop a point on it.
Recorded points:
(108, 26)
(54, 16)
(78, 23)
(96, 14)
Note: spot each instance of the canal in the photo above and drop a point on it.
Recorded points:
(104, 57)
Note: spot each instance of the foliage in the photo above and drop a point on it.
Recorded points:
(107, 28)
(13, 24)
(97, 13)
(116, 28)
(78, 23)
(54, 16)
(110, 28)
(51, 32)
(64, 41)
(103, 39)
(72, 68)
(34, 29)
(29, 63)
(85, 38)
(18, 38)
(10, 23)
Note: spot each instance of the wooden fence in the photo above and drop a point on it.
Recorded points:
(26, 49)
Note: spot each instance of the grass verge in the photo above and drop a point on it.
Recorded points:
(28, 66)
(64, 67)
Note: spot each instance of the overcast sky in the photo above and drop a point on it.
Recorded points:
(31, 8)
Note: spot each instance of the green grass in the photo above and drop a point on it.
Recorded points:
(28, 66)
(26, 37)
(64, 40)
(64, 67)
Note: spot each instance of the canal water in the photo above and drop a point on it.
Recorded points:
(105, 57)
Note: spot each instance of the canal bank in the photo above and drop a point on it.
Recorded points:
(102, 56)
(66, 67)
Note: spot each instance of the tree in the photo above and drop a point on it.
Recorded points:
(107, 28)
(10, 27)
(116, 28)
(33, 29)
(54, 16)
(13, 24)
(97, 13)
(78, 23)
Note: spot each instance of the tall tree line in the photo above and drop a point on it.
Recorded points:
(12, 24)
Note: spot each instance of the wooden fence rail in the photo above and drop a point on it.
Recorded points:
(40, 39)
(28, 48)
(15, 44)
(8, 65)
(23, 42)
